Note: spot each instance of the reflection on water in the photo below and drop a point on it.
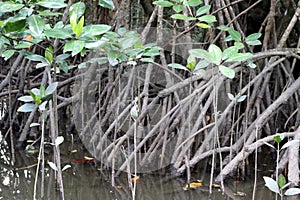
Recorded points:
(83, 181)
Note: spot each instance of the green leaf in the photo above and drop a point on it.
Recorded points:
(8, 54)
(48, 13)
(216, 53)
(191, 65)
(23, 45)
(36, 25)
(26, 99)
(183, 17)
(121, 31)
(152, 52)
(79, 27)
(163, 3)
(239, 45)
(73, 21)
(177, 66)
(281, 181)
(231, 96)
(236, 36)
(253, 42)
(226, 71)
(49, 54)
(62, 57)
(241, 98)
(208, 18)
(292, 191)
(201, 53)
(278, 138)
(63, 65)
(96, 44)
(223, 28)
(251, 64)
(150, 60)
(107, 4)
(14, 26)
(229, 52)
(10, 7)
(40, 65)
(178, 8)
(201, 65)
(58, 33)
(35, 92)
(194, 2)
(202, 10)
(134, 112)
(52, 3)
(77, 8)
(51, 88)
(253, 36)
(42, 106)
(42, 91)
(27, 107)
(271, 184)
(239, 57)
(94, 30)
(199, 72)
(35, 57)
(75, 46)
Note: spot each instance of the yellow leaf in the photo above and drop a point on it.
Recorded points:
(193, 185)
(203, 25)
(216, 185)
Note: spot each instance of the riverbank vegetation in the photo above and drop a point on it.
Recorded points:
(150, 85)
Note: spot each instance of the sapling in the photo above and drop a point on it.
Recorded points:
(38, 99)
(280, 183)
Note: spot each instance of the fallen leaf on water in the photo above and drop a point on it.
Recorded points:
(207, 117)
(135, 179)
(84, 160)
(216, 185)
(241, 194)
(193, 185)
(88, 158)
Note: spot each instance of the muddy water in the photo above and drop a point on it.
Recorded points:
(85, 182)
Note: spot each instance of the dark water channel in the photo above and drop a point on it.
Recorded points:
(84, 182)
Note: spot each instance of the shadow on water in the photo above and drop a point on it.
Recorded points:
(84, 181)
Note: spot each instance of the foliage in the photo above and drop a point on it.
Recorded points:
(38, 98)
(57, 39)
(279, 185)
(76, 37)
